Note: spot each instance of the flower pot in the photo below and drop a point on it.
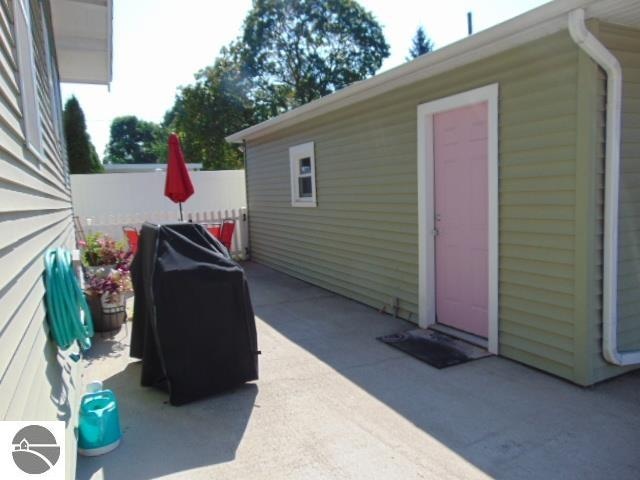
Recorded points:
(114, 311)
(107, 315)
(95, 305)
(110, 301)
(100, 271)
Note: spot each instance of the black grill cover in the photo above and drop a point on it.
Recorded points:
(193, 322)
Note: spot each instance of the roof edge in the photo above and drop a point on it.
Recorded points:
(71, 40)
(537, 23)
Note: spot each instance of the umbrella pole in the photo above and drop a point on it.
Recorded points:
(180, 204)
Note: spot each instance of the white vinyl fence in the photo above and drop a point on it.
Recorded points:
(107, 202)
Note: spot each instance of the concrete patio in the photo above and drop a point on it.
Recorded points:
(334, 403)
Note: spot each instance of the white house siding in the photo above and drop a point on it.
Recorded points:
(36, 382)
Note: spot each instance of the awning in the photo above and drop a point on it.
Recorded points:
(82, 30)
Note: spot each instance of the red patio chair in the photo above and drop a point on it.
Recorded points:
(213, 229)
(228, 226)
(132, 238)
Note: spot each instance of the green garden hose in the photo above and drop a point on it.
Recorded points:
(65, 302)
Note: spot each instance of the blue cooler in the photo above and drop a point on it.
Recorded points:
(99, 429)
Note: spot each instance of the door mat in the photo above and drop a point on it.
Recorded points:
(435, 348)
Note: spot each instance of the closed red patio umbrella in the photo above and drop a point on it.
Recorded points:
(178, 186)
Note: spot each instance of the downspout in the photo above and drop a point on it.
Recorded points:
(603, 57)
(246, 192)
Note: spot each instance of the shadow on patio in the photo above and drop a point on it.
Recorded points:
(159, 439)
(333, 402)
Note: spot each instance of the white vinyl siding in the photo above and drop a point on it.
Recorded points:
(37, 382)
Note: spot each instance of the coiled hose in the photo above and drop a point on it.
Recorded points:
(65, 302)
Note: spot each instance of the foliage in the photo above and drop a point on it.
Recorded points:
(290, 53)
(95, 159)
(116, 282)
(133, 140)
(100, 249)
(215, 106)
(420, 44)
(80, 151)
(297, 51)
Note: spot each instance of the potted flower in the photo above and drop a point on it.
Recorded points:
(107, 276)
(101, 254)
(106, 295)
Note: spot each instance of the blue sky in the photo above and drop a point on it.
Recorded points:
(160, 44)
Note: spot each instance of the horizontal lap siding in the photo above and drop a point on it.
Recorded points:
(362, 239)
(36, 383)
(624, 43)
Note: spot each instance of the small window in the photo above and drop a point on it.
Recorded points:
(304, 187)
(303, 175)
(27, 75)
(305, 166)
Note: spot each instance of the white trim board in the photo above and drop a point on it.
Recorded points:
(426, 242)
(296, 153)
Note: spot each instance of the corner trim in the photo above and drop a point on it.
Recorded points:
(603, 57)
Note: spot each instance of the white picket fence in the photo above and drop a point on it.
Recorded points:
(112, 224)
(114, 193)
(107, 202)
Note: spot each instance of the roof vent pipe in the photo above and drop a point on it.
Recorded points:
(603, 57)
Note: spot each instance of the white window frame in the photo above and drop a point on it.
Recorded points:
(27, 73)
(296, 153)
(54, 99)
(426, 203)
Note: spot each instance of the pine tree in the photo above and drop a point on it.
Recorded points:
(421, 44)
(80, 151)
(96, 165)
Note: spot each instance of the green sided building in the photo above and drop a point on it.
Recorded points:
(490, 189)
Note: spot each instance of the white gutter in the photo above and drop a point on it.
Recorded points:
(603, 57)
(109, 43)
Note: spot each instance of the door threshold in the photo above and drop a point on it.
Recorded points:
(467, 337)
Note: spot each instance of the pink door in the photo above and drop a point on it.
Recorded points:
(461, 218)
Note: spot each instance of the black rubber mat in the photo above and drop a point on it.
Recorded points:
(435, 348)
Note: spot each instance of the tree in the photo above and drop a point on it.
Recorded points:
(206, 112)
(290, 53)
(136, 141)
(297, 51)
(420, 45)
(96, 164)
(80, 151)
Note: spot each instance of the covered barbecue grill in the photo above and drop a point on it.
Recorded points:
(193, 323)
